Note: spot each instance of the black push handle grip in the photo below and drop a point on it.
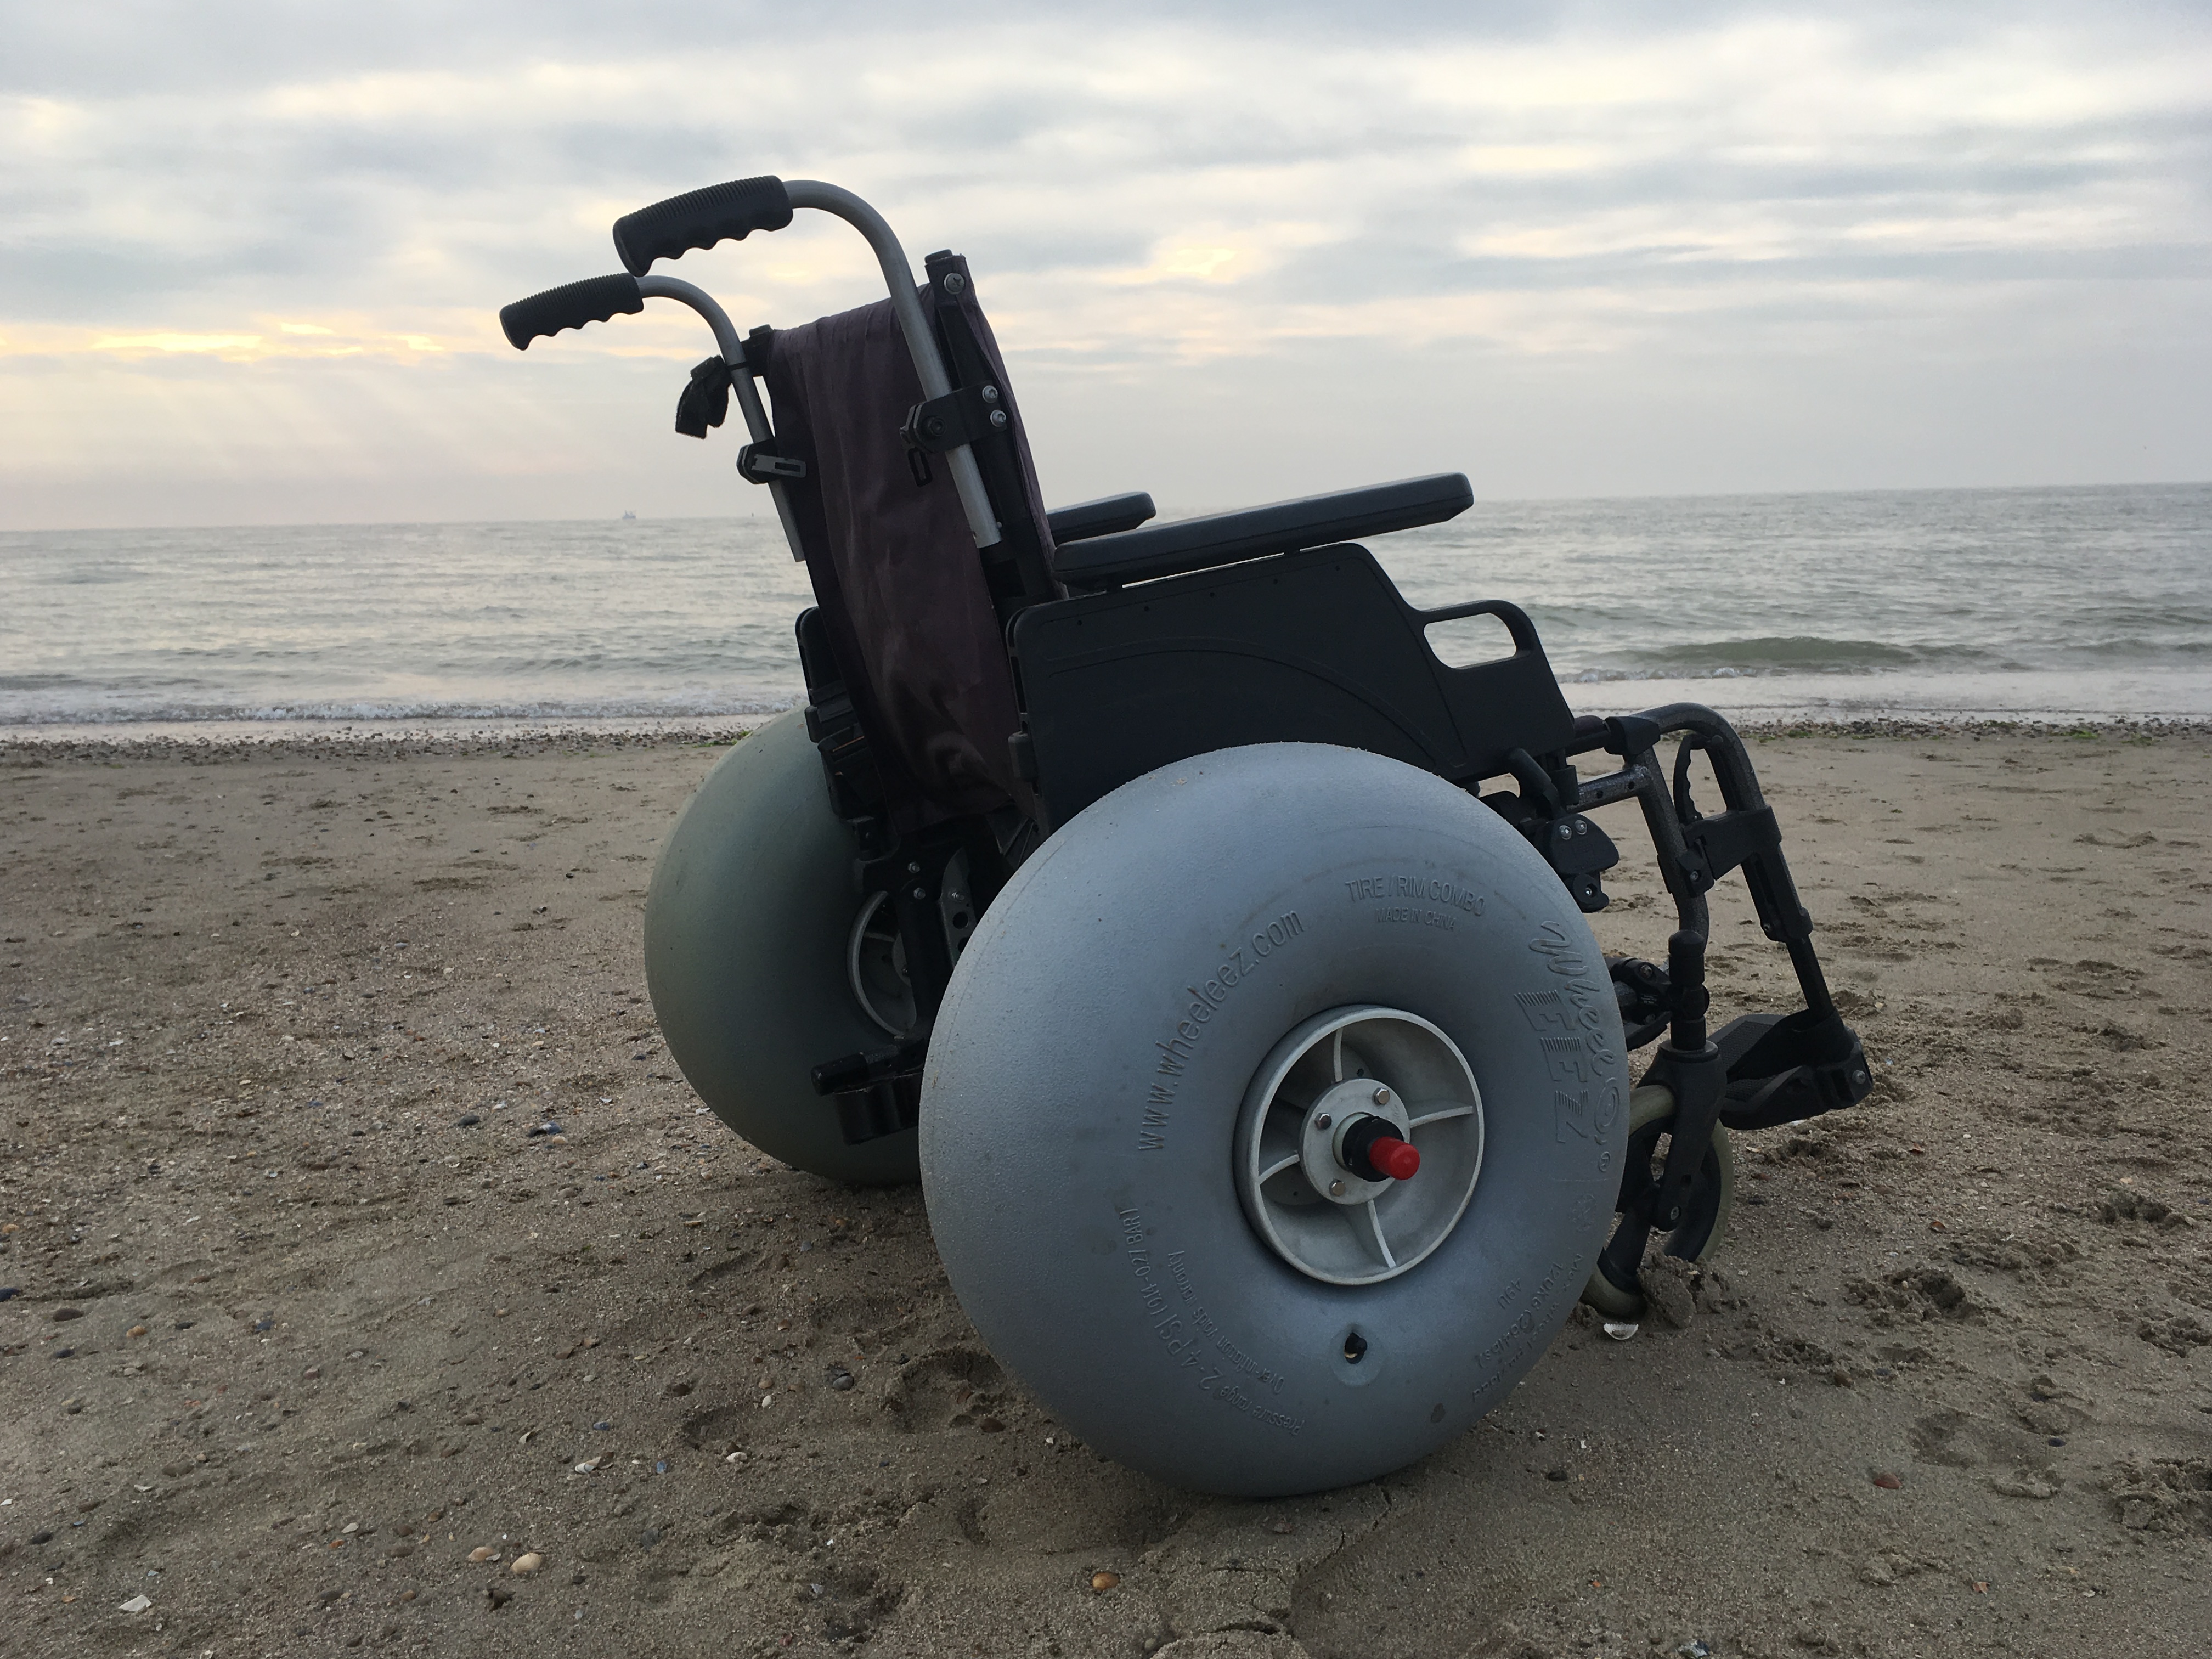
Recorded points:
(591, 301)
(699, 219)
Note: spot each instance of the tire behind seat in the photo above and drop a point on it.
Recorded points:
(745, 930)
(1082, 1191)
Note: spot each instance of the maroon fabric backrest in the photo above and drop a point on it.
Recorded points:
(894, 569)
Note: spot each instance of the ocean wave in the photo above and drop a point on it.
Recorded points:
(1793, 653)
(677, 620)
(384, 711)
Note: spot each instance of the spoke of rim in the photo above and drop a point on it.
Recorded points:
(1439, 1116)
(1336, 1055)
(1276, 1168)
(1372, 1234)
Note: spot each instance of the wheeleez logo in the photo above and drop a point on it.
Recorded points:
(1205, 1001)
(1570, 1022)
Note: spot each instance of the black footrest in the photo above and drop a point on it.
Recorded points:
(1784, 1067)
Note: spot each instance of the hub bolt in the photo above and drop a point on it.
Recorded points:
(1336, 1189)
(1382, 1096)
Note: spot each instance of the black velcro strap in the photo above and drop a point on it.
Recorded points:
(706, 401)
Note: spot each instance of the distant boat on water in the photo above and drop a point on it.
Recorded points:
(629, 518)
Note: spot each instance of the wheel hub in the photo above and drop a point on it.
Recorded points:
(1343, 1104)
(1327, 1165)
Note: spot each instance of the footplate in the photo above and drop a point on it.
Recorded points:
(1783, 1068)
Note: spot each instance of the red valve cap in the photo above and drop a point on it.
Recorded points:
(1393, 1157)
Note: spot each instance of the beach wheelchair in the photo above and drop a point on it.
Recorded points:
(1211, 949)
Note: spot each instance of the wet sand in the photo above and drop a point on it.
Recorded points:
(293, 1337)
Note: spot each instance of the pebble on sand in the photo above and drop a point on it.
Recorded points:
(1887, 1481)
(527, 1564)
(1103, 1582)
(135, 1604)
(484, 1552)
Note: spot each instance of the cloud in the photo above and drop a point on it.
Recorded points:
(1650, 188)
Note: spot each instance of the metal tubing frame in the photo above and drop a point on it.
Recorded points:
(1642, 777)
(921, 343)
(741, 380)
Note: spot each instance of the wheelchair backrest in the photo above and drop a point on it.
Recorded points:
(914, 613)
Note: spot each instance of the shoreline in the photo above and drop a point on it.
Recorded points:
(231, 739)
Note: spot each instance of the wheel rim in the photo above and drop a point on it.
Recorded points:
(1302, 1195)
(875, 965)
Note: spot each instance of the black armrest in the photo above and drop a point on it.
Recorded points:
(1102, 517)
(1169, 549)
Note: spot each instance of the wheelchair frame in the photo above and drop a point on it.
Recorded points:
(1133, 647)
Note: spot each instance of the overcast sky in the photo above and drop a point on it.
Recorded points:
(251, 255)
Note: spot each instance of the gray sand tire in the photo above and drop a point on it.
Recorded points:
(1648, 1106)
(746, 926)
(1083, 1198)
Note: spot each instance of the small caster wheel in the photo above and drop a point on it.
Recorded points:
(1274, 1118)
(758, 955)
(1650, 1110)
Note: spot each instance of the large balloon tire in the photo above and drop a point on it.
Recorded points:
(746, 929)
(1092, 1056)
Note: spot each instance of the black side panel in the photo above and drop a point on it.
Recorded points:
(1309, 647)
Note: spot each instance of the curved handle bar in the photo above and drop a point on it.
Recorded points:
(699, 219)
(597, 298)
(571, 306)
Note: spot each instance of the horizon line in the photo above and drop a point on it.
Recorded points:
(628, 515)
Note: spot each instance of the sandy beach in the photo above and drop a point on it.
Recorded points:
(379, 1283)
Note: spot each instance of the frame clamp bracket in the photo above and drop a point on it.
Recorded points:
(965, 415)
(1630, 735)
(1719, 844)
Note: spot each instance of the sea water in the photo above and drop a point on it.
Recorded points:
(2023, 603)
